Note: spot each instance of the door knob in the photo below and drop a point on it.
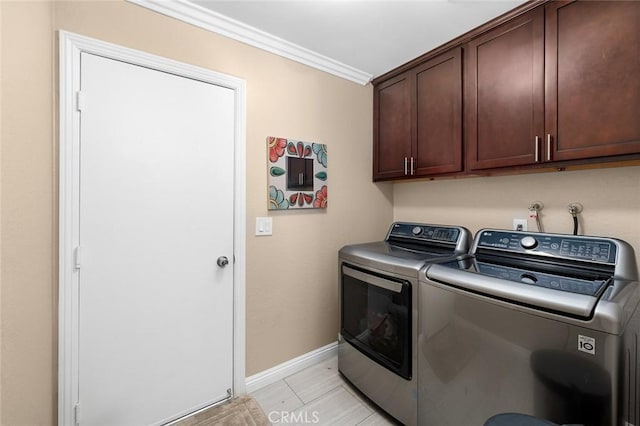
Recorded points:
(223, 261)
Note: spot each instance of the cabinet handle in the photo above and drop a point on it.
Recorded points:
(411, 166)
(537, 148)
(548, 146)
(405, 166)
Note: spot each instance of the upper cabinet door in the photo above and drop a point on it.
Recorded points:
(437, 146)
(392, 128)
(504, 106)
(592, 79)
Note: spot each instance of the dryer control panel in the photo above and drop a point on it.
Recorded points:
(424, 232)
(590, 249)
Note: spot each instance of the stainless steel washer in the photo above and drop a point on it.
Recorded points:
(544, 325)
(378, 311)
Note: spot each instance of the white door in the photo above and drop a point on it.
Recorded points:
(155, 319)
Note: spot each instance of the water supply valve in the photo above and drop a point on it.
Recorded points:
(534, 213)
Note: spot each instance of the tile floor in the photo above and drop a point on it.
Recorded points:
(318, 395)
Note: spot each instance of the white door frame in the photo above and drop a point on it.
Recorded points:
(71, 46)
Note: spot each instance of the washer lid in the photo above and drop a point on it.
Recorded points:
(573, 304)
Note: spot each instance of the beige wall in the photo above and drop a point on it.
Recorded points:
(27, 219)
(611, 200)
(1, 97)
(291, 276)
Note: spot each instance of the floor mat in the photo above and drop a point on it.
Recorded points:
(240, 411)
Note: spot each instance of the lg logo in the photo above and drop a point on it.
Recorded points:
(586, 344)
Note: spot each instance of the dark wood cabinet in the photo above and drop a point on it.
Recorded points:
(549, 84)
(392, 128)
(437, 142)
(559, 83)
(418, 120)
(504, 103)
(592, 57)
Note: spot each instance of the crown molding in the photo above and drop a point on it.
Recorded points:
(199, 16)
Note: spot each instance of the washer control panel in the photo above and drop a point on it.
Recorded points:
(423, 232)
(590, 249)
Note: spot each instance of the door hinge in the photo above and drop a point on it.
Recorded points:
(80, 100)
(76, 257)
(76, 414)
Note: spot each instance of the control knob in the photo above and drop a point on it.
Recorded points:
(528, 242)
(417, 230)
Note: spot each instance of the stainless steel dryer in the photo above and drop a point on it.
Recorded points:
(379, 311)
(531, 324)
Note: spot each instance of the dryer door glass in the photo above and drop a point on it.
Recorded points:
(376, 317)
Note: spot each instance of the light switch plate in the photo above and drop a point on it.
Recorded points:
(264, 226)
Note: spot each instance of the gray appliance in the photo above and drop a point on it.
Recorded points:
(533, 324)
(379, 310)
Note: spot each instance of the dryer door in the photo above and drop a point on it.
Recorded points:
(376, 317)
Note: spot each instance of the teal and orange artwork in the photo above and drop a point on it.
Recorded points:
(297, 174)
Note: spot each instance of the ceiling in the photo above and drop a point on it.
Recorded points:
(370, 36)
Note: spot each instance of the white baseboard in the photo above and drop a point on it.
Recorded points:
(287, 368)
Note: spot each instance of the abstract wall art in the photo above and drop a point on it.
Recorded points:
(297, 174)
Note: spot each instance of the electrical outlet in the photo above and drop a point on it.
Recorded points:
(520, 224)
